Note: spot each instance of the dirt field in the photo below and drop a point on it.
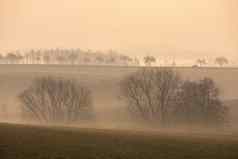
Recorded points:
(34, 142)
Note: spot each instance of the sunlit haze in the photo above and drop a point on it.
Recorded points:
(172, 29)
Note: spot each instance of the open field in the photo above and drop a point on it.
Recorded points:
(37, 142)
(104, 82)
(34, 142)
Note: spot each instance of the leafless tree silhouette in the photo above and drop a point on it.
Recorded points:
(148, 60)
(201, 62)
(11, 58)
(160, 96)
(150, 93)
(51, 99)
(221, 61)
(73, 57)
(200, 104)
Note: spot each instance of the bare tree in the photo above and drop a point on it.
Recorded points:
(51, 99)
(38, 56)
(61, 59)
(125, 59)
(201, 62)
(150, 93)
(27, 58)
(86, 60)
(158, 95)
(20, 58)
(148, 60)
(137, 61)
(221, 61)
(199, 103)
(73, 57)
(99, 59)
(1, 58)
(46, 58)
(11, 58)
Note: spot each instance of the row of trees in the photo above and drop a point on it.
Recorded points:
(68, 56)
(152, 95)
(221, 61)
(78, 56)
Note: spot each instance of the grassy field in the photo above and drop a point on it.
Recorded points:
(34, 142)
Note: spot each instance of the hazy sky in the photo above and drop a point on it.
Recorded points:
(178, 28)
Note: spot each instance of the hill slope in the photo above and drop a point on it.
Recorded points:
(33, 142)
(104, 82)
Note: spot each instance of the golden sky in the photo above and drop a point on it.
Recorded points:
(178, 28)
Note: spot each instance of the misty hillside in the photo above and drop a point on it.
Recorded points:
(104, 82)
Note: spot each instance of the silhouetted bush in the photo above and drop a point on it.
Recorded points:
(150, 93)
(200, 103)
(57, 100)
(160, 96)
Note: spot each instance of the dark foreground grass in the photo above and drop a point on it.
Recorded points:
(33, 142)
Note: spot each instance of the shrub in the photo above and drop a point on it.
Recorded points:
(51, 99)
(200, 103)
(150, 93)
(159, 96)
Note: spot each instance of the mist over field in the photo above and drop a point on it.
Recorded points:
(112, 127)
(109, 106)
(118, 79)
